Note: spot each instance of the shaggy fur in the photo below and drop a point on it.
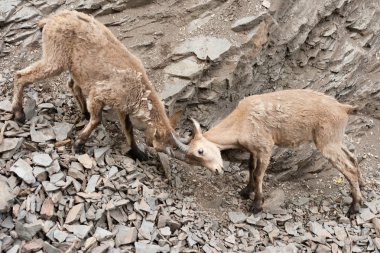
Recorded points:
(95, 58)
(286, 119)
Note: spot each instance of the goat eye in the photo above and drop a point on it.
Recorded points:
(200, 151)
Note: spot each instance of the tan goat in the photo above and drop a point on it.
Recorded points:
(101, 68)
(286, 119)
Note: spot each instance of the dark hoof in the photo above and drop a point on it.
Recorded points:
(79, 148)
(245, 193)
(19, 116)
(256, 208)
(137, 154)
(354, 209)
(86, 115)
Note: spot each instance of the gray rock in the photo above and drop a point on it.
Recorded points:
(237, 217)
(60, 235)
(248, 23)
(7, 8)
(8, 223)
(80, 231)
(27, 231)
(377, 242)
(5, 105)
(165, 231)
(92, 183)
(33, 245)
(173, 86)
(187, 68)
(14, 249)
(101, 249)
(6, 196)
(318, 230)
(366, 214)
(137, 3)
(62, 130)
(41, 135)
(75, 213)
(23, 14)
(125, 235)
(49, 187)
(42, 159)
(291, 227)
(9, 144)
(48, 248)
(102, 234)
(204, 47)
(40, 174)
(24, 171)
(150, 248)
(340, 233)
(146, 230)
(86, 161)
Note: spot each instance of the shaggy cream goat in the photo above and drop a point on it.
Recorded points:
(103, 69)
(286, 119)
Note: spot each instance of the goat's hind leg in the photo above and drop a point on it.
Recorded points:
(35, 72)
(259, 172)
(354, 161)
(340, 160)
(95, 109)
(246, 191)
(78, 94)
(127, 128)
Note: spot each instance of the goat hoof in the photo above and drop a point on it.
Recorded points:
(79, 148)
(256, 209)
(354, 209)
(137, 154)
(245, 192)
(19, 116)
(86, 115)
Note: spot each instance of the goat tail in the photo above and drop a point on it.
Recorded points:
(42, 23)
(351, 109)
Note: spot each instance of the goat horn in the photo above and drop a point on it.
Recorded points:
(197, 127)
(183, 147)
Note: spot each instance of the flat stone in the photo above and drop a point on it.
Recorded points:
(9, 144)
(62, 130)
(42, 159)
(366, 214)
(376, 224)
(40, 173)
(24, 171)
(90, 242)
(291, 227)
(92, 183)
(187, 68)
(41, 135)
(60, 235)
(237, 217)
(125, 235)
(6, 196)
(8, 223)
(80, 231)
(25, 13)
(204, 47)
(74, 213)
(377, 242)
(248, 23)
(275, 200)
(49, 187)
(230, 239)
(141, 247)
(33, 245)
(86, 161)
(165, 231)
(173, 86)
(146, 229)
(7, 8)
(14, 249)
(318, 230)
(47, 209)
(102, 234)
(48, 248)
(26, 231)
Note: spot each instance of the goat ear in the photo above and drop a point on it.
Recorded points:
(197, 131)
(174, 118)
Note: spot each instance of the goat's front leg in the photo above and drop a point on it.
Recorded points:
(78, 94)
(259, 172)
(37, 71)
(246, 191)
(95, 110)
(127, 128)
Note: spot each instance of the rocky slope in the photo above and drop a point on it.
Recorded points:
(203, 56)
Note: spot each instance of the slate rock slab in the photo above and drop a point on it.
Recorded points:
(24, 171)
